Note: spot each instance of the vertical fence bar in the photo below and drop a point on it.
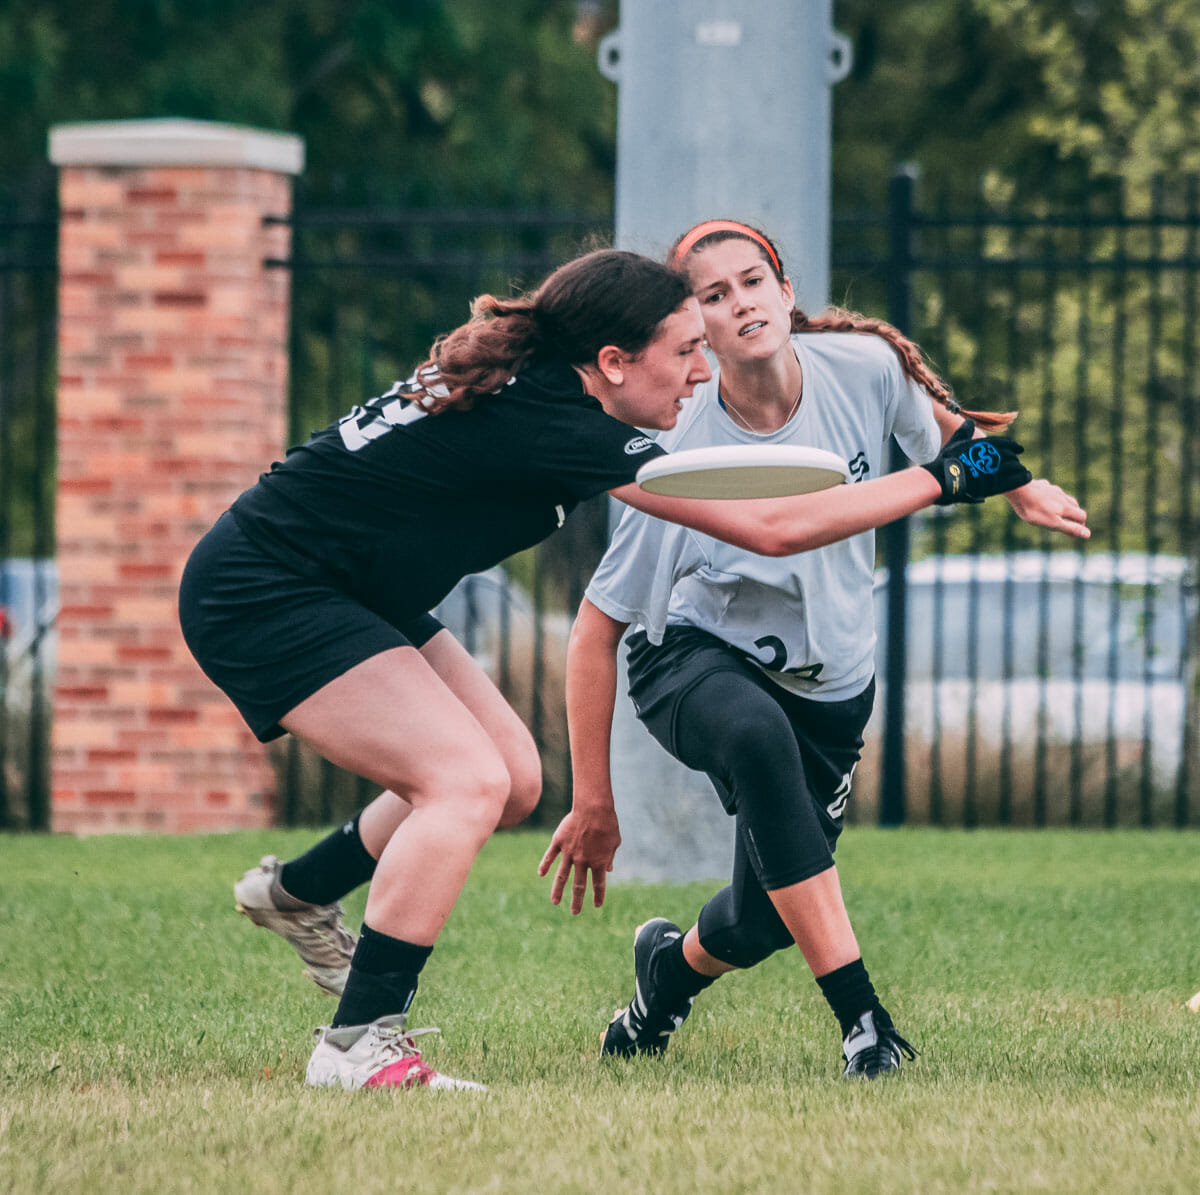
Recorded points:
(1117, 366)
(979, 314)
(1004, 807)
(1082, 360)
(1187, 531)
(897, 535)
(1049, 323)
(937, 663)
(1153, 401)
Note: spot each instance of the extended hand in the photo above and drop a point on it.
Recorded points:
(970, 470)
(587, 845)
(1043, 504)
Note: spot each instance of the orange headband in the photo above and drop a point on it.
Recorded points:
(698, 233)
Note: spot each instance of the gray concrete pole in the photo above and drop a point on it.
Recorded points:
(723, 110)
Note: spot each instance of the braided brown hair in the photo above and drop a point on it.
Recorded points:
(836, 319)
(609, 296)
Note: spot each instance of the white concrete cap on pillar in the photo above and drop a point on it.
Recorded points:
(174, 142)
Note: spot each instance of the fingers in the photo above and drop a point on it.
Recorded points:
(560, 882)
(578, 890)
(1069, 517)
(599, 880)
(549, 857)
(578, 885)
(1074, 525)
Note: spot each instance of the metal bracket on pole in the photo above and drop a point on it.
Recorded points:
(841, 56)
(608, 56)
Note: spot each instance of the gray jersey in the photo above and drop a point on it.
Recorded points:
(807, 620)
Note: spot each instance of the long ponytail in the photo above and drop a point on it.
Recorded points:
(609, 296)
(838, 319)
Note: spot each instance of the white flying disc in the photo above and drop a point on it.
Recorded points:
(743, 471)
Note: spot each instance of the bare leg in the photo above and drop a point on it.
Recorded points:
(699, 959)
(813, 911)
(395, 721)
(474, 688)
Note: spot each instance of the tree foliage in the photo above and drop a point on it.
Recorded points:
(473, 102)
(1033, 90)
(427, 101)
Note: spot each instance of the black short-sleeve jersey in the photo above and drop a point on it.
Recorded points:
(395, 506)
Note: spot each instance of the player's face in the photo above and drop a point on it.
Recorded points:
(747, 310)
(664, 373)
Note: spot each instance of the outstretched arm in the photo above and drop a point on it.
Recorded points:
(783, 526)
(1040, 503)
(587, 838)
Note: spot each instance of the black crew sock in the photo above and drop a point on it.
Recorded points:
(382, 980)
(675, 980)
(850, 993)
(332, 868)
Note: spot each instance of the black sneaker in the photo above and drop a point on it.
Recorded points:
(873, 1048)
(645, 1027)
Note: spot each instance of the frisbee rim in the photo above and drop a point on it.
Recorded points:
(819, 468)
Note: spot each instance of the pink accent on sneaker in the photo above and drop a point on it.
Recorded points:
(404, 1072)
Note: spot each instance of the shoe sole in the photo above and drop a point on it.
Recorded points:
(328, 988)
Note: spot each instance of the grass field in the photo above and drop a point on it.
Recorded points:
(153, 1041)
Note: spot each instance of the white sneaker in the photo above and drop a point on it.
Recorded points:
(380, 1054)
(316, 931)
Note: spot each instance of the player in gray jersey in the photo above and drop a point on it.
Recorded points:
(758, 671)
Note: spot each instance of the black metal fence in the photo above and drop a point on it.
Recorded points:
(28, 595)
(1059, 687)
(1024, 679)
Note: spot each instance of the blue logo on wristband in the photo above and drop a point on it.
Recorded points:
(982, 457)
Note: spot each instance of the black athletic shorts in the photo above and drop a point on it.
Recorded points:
(828, 734)
(270, 637)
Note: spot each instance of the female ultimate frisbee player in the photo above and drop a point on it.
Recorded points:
(308, 600)
(758, 672)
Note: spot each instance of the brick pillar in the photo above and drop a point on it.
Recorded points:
(172, 356)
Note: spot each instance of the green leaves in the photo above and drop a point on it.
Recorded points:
(467, 102)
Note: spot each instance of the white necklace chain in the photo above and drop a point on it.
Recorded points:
(750, 426)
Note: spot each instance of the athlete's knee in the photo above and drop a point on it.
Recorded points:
(475, 787)
(766, 738)
(751, 737)
(746, 946)
(525, 790)
(739, 936)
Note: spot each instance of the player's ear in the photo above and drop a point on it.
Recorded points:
(610, 361)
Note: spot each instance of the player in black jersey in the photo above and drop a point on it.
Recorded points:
(307, 603)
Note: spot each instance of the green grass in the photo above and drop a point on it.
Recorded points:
(153, 1041)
